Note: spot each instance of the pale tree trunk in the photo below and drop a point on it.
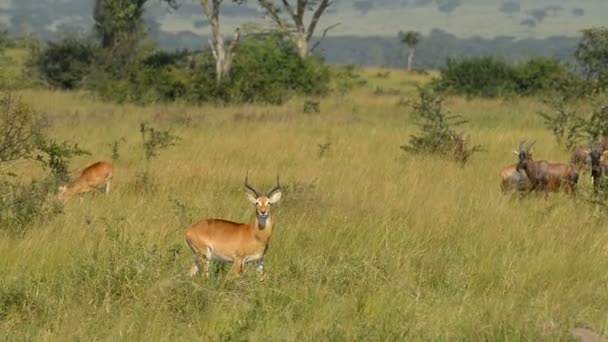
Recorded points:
(223, 55)
(298, 32)
(410, 57)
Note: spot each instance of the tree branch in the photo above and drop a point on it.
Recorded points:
(315, 18)
(327, 29)
(274, 14)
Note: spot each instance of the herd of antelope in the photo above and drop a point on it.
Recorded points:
(549, 176)
(241, 243)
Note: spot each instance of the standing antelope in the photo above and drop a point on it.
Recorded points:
(95, 176)
(599, 169)
(239, 243)
(546, 175)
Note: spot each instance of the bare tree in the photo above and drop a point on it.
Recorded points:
(222, 54)
(298, 32)
(411, 39)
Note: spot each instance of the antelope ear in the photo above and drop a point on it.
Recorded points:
(252, 199)
(516, 153)
(275, 197)
(587, 153)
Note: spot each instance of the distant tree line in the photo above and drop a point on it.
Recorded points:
(120, 63)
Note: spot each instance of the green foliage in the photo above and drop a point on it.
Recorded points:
(437, 125)
(346, 78)
(565, 124)
(544, 75)
(64, 64)
(491, 77)
(592, 55)
(23, 204)
(267, 69)
(597, 125)
(485, 76)
(55, 157)
(155, 140)
(20, 127)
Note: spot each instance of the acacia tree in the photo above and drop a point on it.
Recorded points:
(411, 40)
(300, 33)
(223, 55)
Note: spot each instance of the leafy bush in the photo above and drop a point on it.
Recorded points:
(21, 137)
(64, 64)
(155, 140)
(565, 124)
(490, 77)
(542, 75)
(20, 127)
(483, 76)
(267, 69)
(437, 134)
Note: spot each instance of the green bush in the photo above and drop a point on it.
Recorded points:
(490, 77)
(64, 64)
(483, 76)
(437, 129)
(266, 69)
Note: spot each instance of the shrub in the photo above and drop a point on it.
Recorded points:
(482, 76)
(437, 134)
(64, 64)
(490, 77)
(267, 69)
(542, 75)
(155, 140)
(565, 124)
(20, 126)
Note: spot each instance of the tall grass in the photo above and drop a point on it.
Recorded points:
(370, 243)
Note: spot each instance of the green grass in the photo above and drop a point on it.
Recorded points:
(369, 243)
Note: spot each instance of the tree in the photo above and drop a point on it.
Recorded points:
(223, 55)
(411, 39)
(119, 22)
(299, 33)
(592, 55)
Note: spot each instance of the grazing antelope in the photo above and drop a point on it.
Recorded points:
(95, 176)
(544, 175)
(599, 169)
(239, 243)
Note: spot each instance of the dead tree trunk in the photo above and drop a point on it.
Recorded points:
(223, 55)
(298, 32)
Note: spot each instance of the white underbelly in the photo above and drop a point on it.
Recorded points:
(212, 255)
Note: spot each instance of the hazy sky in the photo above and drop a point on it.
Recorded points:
(464, 18)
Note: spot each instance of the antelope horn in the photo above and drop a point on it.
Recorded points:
(277, 187)
(521, 144)
(530, 146)
(250, 187)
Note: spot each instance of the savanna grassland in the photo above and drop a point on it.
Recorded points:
(369, 243)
